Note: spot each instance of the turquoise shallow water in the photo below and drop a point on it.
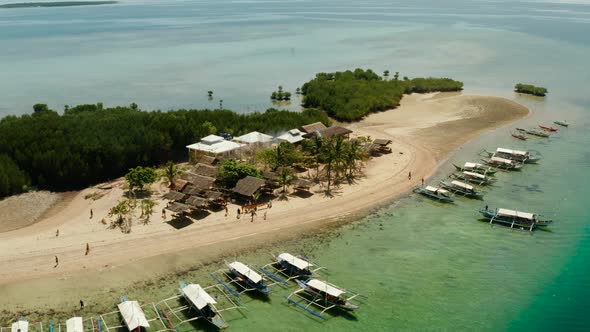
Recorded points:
(423, 265)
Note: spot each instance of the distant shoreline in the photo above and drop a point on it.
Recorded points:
(56, 4)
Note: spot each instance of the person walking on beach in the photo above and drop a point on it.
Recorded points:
(87, 249)
(81, 304)
(56, 262)
(410, 175)
(265, 214)
(91, 213)
(57, 233)
(422, 182)
(238, 215)
(164, 213)
(226, 211)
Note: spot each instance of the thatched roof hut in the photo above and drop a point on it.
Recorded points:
(205, 170)
(174, 196)
(248, 186)
(310, 128)
(196, 202)
(329, 132)
(178, 207)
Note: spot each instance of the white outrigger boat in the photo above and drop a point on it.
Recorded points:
(562, 123)
(461, 189)
(523, 220)
(476, 168)
(515, 155)
(502, 163)
(435, 193)
(323, 295)
(290, 267)
(22, 325)
(134, 318)
(243, 277)
(473, 177)
(75, 324)
(200, 302)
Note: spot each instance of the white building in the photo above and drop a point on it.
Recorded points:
(292, 136)
(212, 145)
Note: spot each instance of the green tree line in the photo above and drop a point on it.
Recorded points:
(88, 144)
(530, 89)
(351, 95)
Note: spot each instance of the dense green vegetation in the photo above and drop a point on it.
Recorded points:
(280, 95)
(89, 144)
(231, 171)
(56, 4)
(349, 95)
(139, 177)
(530, 89)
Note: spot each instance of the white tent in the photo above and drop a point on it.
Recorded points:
(74, 324)
(254, 138)
(292, 136)
(133, 315)
(20, 326)
(197, 296)
(214, 145)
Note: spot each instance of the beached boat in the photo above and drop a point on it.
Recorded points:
(562, 123)
(547, 128)
(473, 177)
(435, 193)
(321, 294)
(22, 325)
(515, 155)
(461, 189)
(536, 132)
(520, 135)
(248, 278)
(523, 220)
(476, 168)
(502, 163)
(203, 303)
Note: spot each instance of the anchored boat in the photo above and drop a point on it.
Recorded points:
(516, 155)
(512, 218)
(520, 135)
(287, 267)
(476, 168)
(461, 189)
(472, 177)
(203, 303)
(562, 123)
(435, 193)
(502, 163)
(536, 132)
(547, 128)
(248, 278)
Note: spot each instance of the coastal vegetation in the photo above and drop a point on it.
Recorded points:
(88, 144)
(351, 95)
(56, 4)
(280, 95)
(530, 89)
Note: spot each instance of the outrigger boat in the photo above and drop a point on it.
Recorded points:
(461, 189)
(521, 136)
(546, 128)
(472, 177)
(22, 325)
(514, 155)
(562, 123)
(502, 163)
(476, 168)
(290, 267)
(245, 278)
(75, 324)
(536, 132)
(322, 295)
(505, 217)
(435, 193)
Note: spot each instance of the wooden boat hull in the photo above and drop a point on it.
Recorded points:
(323, 298)
(512, 222)
(530, 160)
(561, 123)
(291, 270)
(436, 197)
(519, 136)
(537, 133)
(460, 191)
(486, 171)
(507, 167)
(247, 283)
(551, 129)
(478, 181)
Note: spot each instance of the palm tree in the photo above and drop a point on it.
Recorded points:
(170, 173)
(285, 177)
(121, 210)
(331, 154)
(351, 155)
(147, 209)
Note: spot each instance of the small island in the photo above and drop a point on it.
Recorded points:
(56, 4)
(530, 89)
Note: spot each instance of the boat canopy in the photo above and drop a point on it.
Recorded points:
(244, 270)
(74, 324)
(510, 151)
(501, 160)
(20, 326)
(476, 175)
(462, 185)
(472, 165)
(435, 189)
(197, 296)
(295, 261)
(133, 315)
(324, 287)
(513, 213)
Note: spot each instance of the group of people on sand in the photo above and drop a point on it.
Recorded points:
(252, 210)
(87, 245)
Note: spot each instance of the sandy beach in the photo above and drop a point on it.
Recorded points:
(424, 129)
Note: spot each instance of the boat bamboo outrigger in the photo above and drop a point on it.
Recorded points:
(505, 217)
(476, 168)
(201, 302)
(515, 155)
(435, 193)
(323, 295)
(244, 278)
(562, 123)
(474, 178)
(134, 318)
(502, 163)
(461, 189)
(290, 267)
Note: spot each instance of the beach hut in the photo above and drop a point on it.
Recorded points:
(254, 138)
(292, 136)
(382, 145)
(310, 128)
(20, 326)
(329, 132)
(213, 146)
(248, 186)
(205, 170)
(74, 324)
(174, 196)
